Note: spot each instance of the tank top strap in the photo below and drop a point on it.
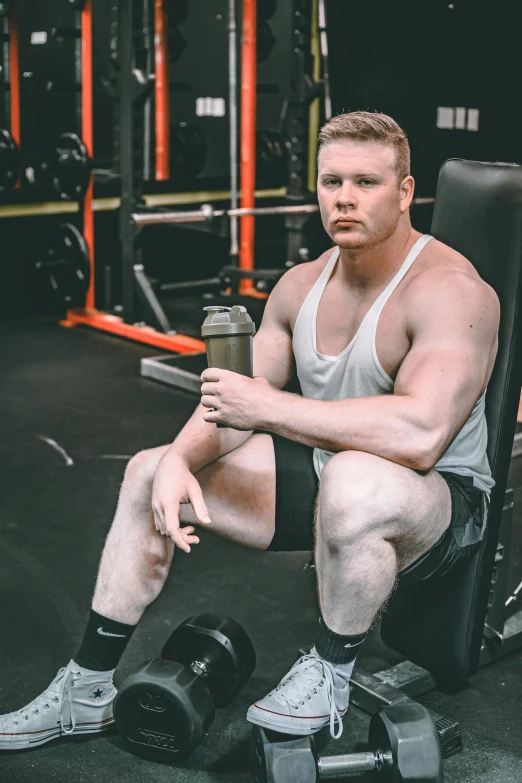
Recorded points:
(415, 251)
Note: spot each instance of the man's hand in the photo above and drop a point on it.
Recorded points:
(174, 484)
(233, 399)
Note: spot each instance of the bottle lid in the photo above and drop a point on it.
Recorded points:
(224, 321)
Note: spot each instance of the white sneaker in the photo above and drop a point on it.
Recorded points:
(311, 695)
(78, 701)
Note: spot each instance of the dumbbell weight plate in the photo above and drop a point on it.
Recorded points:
(281, 758)
(77, 4)
(221, 645)
(408, 739)
(163, 710)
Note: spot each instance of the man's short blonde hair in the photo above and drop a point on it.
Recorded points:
(370, 126)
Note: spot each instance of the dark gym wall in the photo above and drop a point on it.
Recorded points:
(427, 64)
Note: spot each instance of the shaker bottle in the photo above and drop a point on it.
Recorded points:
(228, 333)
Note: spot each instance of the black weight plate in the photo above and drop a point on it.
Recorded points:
(188, 151)
(9, 160)
(163, 710)
(71, 167)
(176, 44)
(266, 41)
(68, 263)
(5, 7)
(78, 4)
(222, 645)
(177, 11)
(408, 738)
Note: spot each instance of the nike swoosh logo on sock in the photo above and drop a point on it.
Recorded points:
(105, 633)
(352, 645)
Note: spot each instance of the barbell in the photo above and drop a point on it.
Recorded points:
(207, 213)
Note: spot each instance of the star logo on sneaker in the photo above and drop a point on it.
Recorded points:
(96, 692)
(106, 633)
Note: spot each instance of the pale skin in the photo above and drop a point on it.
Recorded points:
(381, 504)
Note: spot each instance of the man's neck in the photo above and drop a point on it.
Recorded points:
(365, 269)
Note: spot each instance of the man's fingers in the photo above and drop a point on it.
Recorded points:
(158, 521)
(198, 504)
(192, 539)
(179, 539)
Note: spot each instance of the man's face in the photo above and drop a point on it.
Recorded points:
(359, 198)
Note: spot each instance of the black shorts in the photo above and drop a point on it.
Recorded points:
(296, 491)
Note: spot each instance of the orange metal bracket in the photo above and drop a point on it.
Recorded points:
(178, 343)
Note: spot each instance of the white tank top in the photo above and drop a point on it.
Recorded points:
(357, 372)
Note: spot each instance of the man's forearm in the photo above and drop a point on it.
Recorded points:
(199, 443)
(389, 426)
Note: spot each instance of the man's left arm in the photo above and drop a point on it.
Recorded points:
(452, 321)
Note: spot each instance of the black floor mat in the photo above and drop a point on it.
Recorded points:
(82, 390)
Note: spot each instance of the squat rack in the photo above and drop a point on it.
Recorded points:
(134, 86)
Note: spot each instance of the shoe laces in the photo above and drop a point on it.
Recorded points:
(313, 673)
(57, 692)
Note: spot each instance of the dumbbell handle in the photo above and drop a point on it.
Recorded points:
(349, 764)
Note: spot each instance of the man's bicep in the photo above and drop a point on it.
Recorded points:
(454, 334)
(273, 356)
(273, 351)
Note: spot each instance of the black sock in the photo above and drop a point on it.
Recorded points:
(103, 644)
(337, 649)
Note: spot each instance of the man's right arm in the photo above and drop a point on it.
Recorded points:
(199, 443)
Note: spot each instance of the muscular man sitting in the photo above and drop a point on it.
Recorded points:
(380, 466)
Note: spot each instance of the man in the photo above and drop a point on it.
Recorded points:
(393, 336)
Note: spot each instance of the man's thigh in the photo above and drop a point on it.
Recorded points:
(435, 520)
(462, 538)
(239, 492)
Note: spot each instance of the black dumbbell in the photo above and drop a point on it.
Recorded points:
(404, 741)
(166, 707)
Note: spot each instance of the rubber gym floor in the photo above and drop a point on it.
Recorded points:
(83, 390)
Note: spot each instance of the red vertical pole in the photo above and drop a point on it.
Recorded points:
(88, 139)
(14, 78)
(248, 137)
(161, 91)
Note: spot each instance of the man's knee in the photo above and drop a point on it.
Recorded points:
(141, 468)
(355, 496)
